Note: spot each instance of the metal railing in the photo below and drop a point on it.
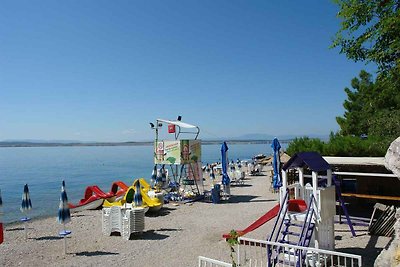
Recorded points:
(253, 253)
(207, 262)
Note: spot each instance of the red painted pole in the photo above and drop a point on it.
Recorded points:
(1, 233)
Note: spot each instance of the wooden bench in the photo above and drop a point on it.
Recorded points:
(370, 196)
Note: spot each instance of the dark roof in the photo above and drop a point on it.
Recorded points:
(313, 160)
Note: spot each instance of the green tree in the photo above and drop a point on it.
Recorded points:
(370, 31)
(359, 106)
(372, 107)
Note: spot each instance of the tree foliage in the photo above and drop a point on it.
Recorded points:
(339, 145)
(358, 106)
(370, 31)
(372, 108)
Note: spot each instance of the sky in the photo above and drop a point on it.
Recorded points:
(102, 70)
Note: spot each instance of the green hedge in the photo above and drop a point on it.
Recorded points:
(341, 146)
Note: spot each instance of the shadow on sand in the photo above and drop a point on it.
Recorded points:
(95, 253)
(15, 229)
(163, 212)
(148, 235)
(48, 238)
(241, 185)
(239, 199)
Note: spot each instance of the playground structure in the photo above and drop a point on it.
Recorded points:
(183, 156)
(315, 226)
(305, 212)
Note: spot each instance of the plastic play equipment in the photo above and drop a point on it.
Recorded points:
(314, 226)
(93, 198)
(118, 188)
(295, 205)
(154, 204)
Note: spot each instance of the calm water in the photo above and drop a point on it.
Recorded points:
(43, 168)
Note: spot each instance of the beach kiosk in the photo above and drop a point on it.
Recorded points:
(182, 155)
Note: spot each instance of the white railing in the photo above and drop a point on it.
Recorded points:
(207, 262)
(254, 253)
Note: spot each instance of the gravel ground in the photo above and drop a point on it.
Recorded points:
(174, 237)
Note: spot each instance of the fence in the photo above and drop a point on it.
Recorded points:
(257, 253)
(207, 262)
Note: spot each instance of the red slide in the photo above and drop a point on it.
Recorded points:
(95, 190)
(118, 188)
(296, 205)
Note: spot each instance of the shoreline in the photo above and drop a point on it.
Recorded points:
(175, 237)
(142, 143)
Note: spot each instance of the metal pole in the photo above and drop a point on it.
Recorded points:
(65, 246)
(26, 233)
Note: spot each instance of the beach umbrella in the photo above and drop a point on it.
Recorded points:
(212, 176)
(163, 174)
(276, 162)
(153, 176)
(224, 155)
(159, 179)
(137, 197)
(26, 206)
(64, 215)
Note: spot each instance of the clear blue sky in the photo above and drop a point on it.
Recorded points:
(102, 70)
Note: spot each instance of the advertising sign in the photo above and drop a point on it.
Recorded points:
(177, 152)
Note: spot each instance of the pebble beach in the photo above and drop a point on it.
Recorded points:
(176, 236)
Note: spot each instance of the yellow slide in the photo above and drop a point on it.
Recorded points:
(144, 184)
(127, 199)
(154, 204)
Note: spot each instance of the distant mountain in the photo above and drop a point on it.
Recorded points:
(282, 137)
(255, 136)
(42, 141)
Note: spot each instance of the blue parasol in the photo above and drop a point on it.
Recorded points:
(212, 175)
(153, 176)
(64, 215)
(137, 197)
(26, 205)
(158, 183)
(163, 174)
(224, 155)
(276, 180)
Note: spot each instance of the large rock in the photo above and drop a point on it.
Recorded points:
(392, 157)
(391, 256)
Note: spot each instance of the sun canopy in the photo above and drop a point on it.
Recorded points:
(179, 123)
(312, 160)
(193, 128)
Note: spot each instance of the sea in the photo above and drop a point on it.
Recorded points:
(44, 169)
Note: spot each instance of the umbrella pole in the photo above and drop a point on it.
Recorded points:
(25, 231)
(65, 242)
(65, 246)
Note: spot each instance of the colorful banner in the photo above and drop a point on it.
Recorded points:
(177, 152)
